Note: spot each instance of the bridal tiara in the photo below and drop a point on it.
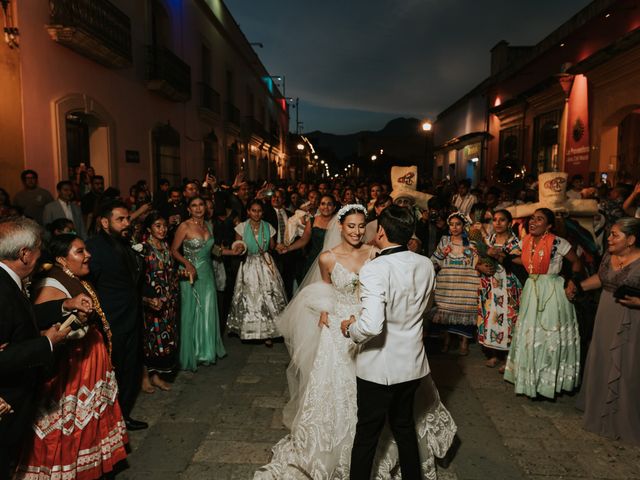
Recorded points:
(350, 208)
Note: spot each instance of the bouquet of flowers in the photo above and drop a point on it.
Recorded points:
(482, 248)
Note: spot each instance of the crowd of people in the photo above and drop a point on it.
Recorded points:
(121, 292)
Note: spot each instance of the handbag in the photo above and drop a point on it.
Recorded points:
(626, 291)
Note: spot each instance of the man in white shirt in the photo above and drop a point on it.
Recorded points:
(463, 200)
(577, 184)
(64, 207)
(395, 290)
(276, 216)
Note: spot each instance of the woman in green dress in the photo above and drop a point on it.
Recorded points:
(200, 341)
(545, 349)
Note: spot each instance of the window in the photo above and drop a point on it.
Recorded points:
(166, 154)
(545, 142)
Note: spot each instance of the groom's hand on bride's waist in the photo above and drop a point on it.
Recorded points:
(344, 326)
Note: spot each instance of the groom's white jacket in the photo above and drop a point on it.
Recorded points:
(395, 291)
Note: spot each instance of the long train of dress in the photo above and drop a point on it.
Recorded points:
(322, 412)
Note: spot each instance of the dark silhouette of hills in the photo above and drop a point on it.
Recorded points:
(346, 146)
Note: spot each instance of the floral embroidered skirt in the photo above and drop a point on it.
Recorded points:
(545, 350)
(498, 309)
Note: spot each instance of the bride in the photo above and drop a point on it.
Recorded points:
(322, 411)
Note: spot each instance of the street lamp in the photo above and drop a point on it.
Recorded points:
(427, 128)
(280, 78)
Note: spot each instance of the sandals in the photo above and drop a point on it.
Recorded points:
(492, 362)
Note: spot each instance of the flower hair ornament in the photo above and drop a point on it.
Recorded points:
(350, 208)
(464, 218)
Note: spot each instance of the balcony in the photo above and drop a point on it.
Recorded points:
(231, 113)
(96, 29)
(275, 138)
(209, 98)
(256, 128)
(209, 106)
(167, 74)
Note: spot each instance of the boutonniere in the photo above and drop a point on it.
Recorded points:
(137, 247)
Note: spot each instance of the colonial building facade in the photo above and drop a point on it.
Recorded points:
(569, 103)
(138, 90)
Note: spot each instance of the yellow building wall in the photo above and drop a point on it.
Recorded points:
(11, 147)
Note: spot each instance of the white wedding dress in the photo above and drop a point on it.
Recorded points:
(322, 412)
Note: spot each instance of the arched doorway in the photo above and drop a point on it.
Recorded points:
(85, 133)
(620, 143)
(629, 145)
(166, 155)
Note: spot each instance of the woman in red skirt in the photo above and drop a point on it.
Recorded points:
(79, 432)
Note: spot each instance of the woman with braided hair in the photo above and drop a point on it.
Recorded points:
(79, 431)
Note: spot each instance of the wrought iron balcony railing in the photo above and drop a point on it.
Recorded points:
(257, 128)
(209, 98)
(94, 28)
(167, 74)
(231, 113)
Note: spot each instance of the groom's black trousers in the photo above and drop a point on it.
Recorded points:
(375, 403)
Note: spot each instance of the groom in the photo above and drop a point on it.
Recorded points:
(394, 289)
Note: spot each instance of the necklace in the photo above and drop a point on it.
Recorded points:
(534, 249)
(161, 251)
(96, 306)
(259, 236)
(622, 261)
(199, 224)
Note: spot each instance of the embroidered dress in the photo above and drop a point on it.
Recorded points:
(79, 432)
(457, 284)
(322, 414)
(200, 340)
(259, 295)
(611, 385)
(545, 350)
(499, 300)
(160, 336)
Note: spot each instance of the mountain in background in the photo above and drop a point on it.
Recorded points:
(345, 146)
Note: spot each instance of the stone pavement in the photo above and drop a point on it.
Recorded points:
(221, 422)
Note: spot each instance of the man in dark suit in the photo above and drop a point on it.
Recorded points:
(116, 272)
(276, 216)
(25, 351)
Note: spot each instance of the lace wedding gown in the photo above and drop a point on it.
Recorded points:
(322, 412)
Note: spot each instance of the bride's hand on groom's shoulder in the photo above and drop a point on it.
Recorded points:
(324, 320)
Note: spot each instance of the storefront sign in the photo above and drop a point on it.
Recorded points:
(577, 135)
(132, 156)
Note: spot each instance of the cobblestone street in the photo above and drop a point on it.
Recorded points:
(221, 422)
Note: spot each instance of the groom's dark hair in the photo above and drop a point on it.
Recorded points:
(399, 224)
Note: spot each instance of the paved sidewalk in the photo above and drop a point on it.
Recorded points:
(221, 422)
